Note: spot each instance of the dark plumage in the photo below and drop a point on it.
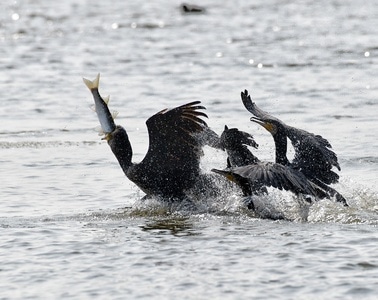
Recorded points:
(313, 155)
(235, 143)
(192, 9)
(171, 165)
(253, 179)
(252, 175)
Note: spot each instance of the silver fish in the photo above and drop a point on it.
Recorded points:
(101, 106)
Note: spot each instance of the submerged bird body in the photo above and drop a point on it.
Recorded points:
(171, 165)
(254, 176)
(313, 155)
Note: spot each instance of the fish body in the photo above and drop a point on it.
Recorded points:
(101, 106)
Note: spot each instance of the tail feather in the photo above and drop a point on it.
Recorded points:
(92, 85)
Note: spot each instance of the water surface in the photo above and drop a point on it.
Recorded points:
(72, 225)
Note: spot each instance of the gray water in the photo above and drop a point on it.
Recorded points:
(72, 225)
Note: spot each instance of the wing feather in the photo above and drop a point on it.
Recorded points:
(172, 140)
(313, 153)
(269, 175)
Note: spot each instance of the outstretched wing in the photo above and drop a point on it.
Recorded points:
(174, 150)
(313, 154)
(235, 142)
(233, 138)
(253, 177)
(254, 109)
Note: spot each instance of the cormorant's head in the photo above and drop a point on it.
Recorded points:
(117, 137)
(234, 138)
(241, 181)
(269, 124)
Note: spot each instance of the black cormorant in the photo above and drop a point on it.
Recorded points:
(313, 155)
(176, 136)
(192, 9)
(253, 175)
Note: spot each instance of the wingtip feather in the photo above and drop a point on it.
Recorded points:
(247, 101)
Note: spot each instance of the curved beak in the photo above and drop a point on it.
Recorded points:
(225, 173)
(267, 125)
(257, 120)
(107, 137)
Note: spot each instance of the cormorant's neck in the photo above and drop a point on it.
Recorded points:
(280, 141)
(121, 148)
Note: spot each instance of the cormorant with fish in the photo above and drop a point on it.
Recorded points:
(172, 163)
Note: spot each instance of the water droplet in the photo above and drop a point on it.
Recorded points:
(260, 65)
(219, 54)
(15, 16)
(251, 61)
(133, 25)
(367, 54)
(115, 25)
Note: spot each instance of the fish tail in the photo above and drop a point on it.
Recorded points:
(92, 85)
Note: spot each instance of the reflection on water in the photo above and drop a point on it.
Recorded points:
(177, 226)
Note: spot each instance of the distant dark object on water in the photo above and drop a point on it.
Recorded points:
(192, 9)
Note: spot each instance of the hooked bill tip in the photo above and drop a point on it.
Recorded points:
(256, 120)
